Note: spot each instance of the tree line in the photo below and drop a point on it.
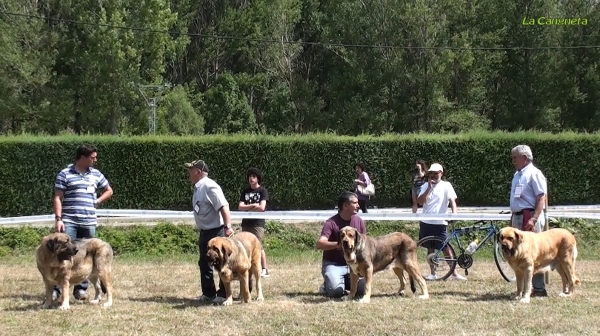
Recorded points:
(298, 66)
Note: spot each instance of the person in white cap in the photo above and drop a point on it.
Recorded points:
(435, 196)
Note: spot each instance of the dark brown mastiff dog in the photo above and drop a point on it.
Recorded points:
(63, 262)
(367, 255)
(236, 258)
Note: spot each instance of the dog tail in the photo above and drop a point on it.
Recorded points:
(576, 280)
(413, 288)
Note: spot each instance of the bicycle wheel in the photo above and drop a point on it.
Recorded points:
(432, 261)
(505, 270)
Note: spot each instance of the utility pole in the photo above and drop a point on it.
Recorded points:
(155, 90)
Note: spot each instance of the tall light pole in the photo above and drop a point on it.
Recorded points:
(152, 101)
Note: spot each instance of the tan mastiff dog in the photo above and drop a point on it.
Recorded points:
(63, 262)
(236, 258)
(529, 253)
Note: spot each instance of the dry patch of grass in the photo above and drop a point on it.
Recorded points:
(156, 298)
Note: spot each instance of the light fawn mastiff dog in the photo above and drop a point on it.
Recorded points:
(529, 253)
(236, 258)
(368, 255)
(63, 262)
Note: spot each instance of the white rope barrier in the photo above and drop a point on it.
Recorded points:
(391, 214)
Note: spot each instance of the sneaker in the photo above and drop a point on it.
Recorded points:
(459, 277)
(431, 277)
(218, 300)
(322, 289)
(204, 298)
(264, 273)
(80, 295)
(541, 293)
(55, 295)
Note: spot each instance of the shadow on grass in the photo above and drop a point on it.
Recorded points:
(174, 301)
(469, 296)
(316, 298)
(33, 302)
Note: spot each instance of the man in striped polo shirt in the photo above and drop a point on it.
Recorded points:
(75, 202)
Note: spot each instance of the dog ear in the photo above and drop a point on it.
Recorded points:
(356, 238)
(518, 236)
(52, 244)
(226, 250)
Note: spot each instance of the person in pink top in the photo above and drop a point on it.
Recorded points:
(362, 179)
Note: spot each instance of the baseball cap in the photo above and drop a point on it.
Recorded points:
(436, 167)
(200, 164)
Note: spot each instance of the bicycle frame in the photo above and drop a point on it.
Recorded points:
(492, 230)
(459, 255)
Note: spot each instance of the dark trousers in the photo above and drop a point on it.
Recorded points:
(78, 232)
(363, 205)
(207, 282)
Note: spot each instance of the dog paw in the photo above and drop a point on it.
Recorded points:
(260, 298)
(525, 300)
(401, 292)
(424, 297)
(228, 302)
(107, 304)
(64, 307)
(95, 301)
(365, 300)
(564, 294)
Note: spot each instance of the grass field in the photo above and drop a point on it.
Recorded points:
(154, 296)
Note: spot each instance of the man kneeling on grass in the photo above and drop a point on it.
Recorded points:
(335, 270)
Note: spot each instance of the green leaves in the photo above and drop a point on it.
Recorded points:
(301, 172)
(297, 66)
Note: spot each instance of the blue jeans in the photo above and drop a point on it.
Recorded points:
(337, 280)
(77, 232)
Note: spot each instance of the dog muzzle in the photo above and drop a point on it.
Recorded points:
(346, 245)
(508, 252)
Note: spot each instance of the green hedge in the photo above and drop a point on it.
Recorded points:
(301, 172)
(167, 238)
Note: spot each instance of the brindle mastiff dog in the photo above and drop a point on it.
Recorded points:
(529, 253)
(236, 258)
(367, 255)
(62, 262)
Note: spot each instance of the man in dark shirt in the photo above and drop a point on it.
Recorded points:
(335, 270)
(254, 198)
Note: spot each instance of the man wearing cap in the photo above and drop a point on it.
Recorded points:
(435, 195)
(527, 201)
(208, 203)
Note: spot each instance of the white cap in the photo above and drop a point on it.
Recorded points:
(436, 167)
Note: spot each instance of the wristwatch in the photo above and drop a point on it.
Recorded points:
(228, 226)
(57, 218)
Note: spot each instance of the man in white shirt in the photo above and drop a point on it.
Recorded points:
(435, 195)
(528, 201)
(209, 206)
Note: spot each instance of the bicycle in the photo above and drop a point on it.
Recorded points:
(437, 259)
